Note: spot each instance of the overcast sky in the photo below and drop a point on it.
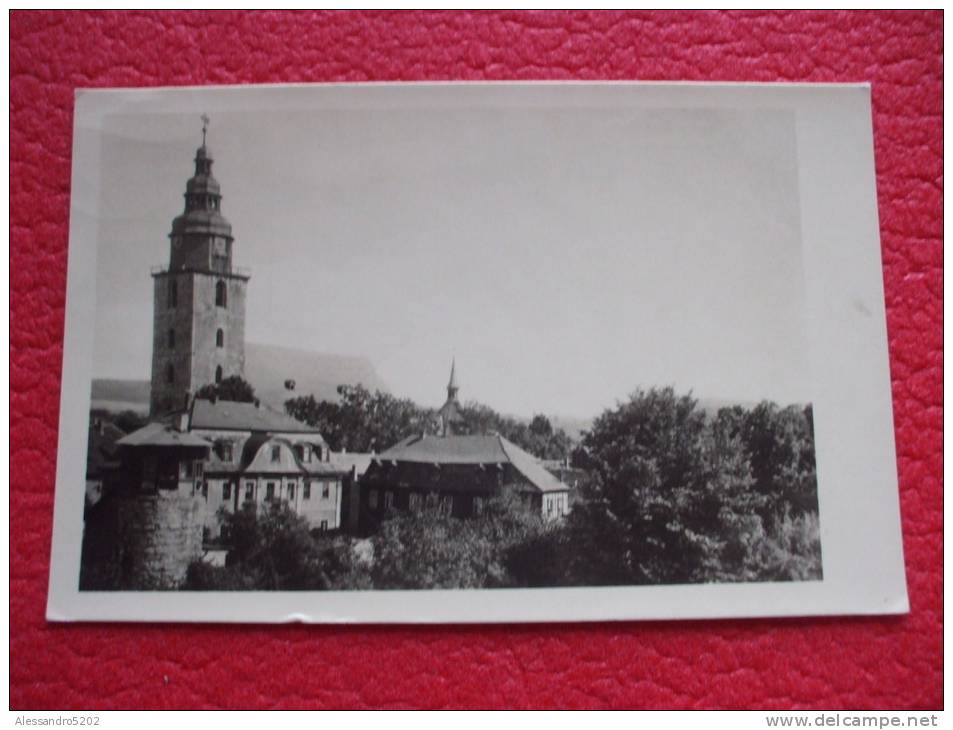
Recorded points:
(565, 256)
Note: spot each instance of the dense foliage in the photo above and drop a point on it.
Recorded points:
(272, 549)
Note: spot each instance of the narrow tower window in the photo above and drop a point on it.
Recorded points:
(171, 339)
(170, 374)
(221, 294)
(220, 339)
(218, 374)
(173, 294)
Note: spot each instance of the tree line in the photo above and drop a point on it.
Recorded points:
(361, 420)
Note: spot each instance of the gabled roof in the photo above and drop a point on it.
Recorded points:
(473, 449)
(161, 434)
(223, 415)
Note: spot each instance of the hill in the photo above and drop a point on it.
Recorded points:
(267, 367)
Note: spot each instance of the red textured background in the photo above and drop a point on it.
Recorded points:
(854, 662)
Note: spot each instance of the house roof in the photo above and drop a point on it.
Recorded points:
(259, 441)
(223, 415)
(162, 435)
(473, 449)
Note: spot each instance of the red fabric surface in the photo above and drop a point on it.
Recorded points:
(839, 662)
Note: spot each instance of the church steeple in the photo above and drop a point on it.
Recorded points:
(450, 411)
(199, 300)
(452, 387)
(202, 237)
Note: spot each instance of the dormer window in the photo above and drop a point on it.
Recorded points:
(275, 454)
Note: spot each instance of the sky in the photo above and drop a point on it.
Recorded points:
(564, 256)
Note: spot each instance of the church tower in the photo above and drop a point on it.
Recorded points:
(198, 333)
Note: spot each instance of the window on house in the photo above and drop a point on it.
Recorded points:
(226, 491)
(269, 491)
(220, 338)
(170, 374)
(187, 469)
(171, 339)
(199, 468)
(275, 454)
(249, 491)
(299, 452)
(173, 294)
(372, 499)
(326, 490)
(306, 453)
(324, 525)
(306, 492)
(388, 500)
(221, 294)
(226, 452)
(218, 374)
(291, 492)
(478, 505)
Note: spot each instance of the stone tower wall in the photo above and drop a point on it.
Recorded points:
(159, 536)
(207, 319)
(195, 320)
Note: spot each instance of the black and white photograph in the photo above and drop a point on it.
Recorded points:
(544, 351)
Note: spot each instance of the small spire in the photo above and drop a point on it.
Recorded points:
(205, 121)
(452, 386)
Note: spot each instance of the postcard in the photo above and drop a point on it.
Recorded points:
(495, 352)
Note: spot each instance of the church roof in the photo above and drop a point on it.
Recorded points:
(473, 450)
(223, 415)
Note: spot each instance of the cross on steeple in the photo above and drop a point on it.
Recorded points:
(205, 121)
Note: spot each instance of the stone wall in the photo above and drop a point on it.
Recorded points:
(159, 536)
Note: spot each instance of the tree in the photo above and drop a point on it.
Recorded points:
(671, 497)
(273, 550)
(361, 420)
(780, 446)
(232, 388)
(430, 549)
(537, 437)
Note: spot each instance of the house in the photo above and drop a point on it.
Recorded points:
(461, 472)
(258, 457)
